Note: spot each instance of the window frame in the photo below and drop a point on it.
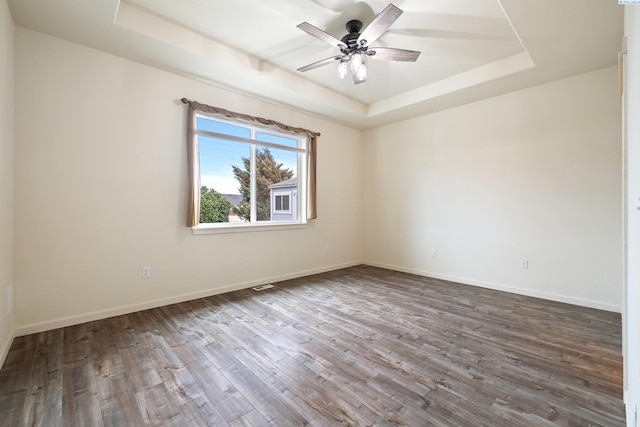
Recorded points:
(302, 151)
(289, 196)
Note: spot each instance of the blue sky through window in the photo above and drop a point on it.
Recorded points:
(217, 156)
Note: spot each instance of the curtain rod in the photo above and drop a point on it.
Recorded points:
(247, 118)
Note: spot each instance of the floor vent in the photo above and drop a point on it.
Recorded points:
(262, 287)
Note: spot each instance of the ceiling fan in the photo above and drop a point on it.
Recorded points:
(355, 47)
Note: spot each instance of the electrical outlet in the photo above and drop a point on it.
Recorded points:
(524, 264)
(434, 252)
(146, 272)
(327, 248)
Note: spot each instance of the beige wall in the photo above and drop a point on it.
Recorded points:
(101, 191)
(6, 177)
(535, 174)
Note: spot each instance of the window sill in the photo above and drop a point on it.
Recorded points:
(226, 228)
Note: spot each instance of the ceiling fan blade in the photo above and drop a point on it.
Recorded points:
(320, 63)
(379, 25)
(322, 35)
(393, 54)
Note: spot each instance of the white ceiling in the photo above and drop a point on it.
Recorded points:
(471, 49)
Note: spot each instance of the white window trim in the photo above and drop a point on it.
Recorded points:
(220, 228)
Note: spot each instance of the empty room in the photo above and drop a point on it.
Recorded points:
(319, 212)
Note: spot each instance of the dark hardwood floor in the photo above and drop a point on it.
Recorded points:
(359, 346)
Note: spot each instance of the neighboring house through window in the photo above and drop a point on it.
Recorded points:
(284, 200)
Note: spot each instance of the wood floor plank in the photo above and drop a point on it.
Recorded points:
(43, 401)
(270, 406)
(83, 410)
(357, 346)
(118, 403)
(200, 412)
(158, 406)
(80, 399)
(175, 376)
(226, 398)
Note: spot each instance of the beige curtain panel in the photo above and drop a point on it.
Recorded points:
(193, 207)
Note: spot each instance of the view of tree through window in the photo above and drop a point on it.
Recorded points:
(214, 207)
(268, 172)
(243, 169)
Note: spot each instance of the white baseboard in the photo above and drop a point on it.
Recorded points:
(116, 311)
(4, 350)
(502, 287)
(631, 409)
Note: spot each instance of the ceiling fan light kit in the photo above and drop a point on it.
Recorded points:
(355, 47)
(343, 69)
(355, 63)
(359, 67)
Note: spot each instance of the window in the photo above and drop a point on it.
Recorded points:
(223, 146)
(248, 174)
(282, 203)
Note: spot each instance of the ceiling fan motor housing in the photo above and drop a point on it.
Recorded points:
(351, 40)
